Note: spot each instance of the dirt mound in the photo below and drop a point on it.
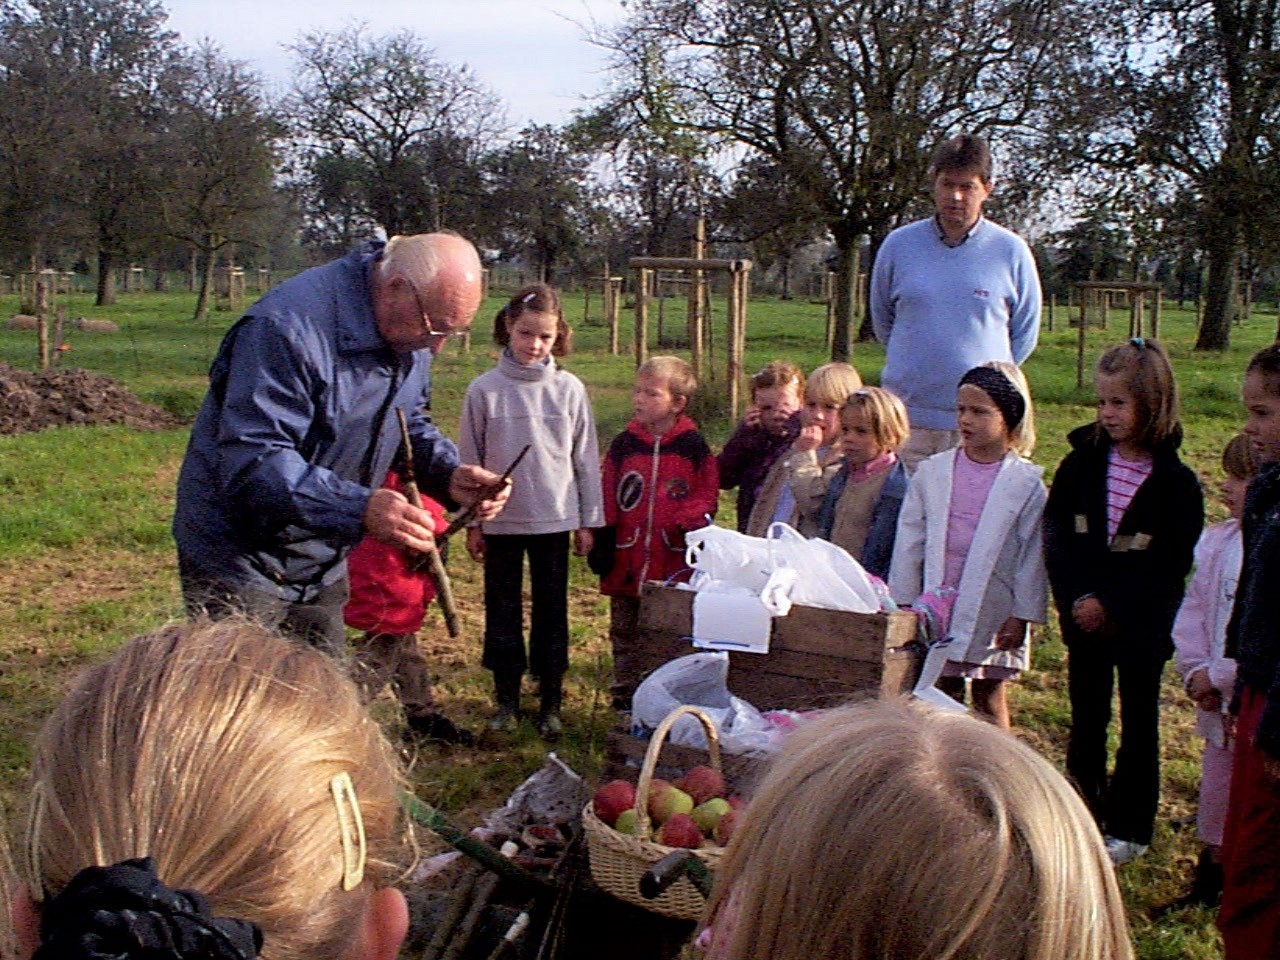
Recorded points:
(58, 398)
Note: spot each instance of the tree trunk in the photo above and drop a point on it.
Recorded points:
(845, 294)
(106, 278)
(1222, 254)
(206, 284)
(786, 276)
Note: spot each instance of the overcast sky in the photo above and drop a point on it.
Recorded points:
(532, 53)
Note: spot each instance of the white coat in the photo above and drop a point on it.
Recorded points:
(1200, 631)
(1004, 575)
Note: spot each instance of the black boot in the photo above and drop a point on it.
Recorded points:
(506, 694)
(1206, 887)
(550, 695)
(436, 726)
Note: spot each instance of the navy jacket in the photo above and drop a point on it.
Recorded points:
(1139, 575)
(296, 430)
(1253, 636)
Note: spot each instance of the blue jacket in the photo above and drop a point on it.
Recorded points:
(877, 552)
(296, 430)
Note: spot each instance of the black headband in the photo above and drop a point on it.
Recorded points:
(125, 911)
(1003, 392)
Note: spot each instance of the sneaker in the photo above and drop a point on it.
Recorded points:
(1124, 851)
(436, 726)
(506, 720)
(550, 727)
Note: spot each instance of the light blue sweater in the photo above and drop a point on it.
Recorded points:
(943, 310)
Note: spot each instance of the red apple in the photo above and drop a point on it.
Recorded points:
(725, 827)
(611, 799)
(702, 783)
(680, 831)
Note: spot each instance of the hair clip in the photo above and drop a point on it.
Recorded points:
(1139, 342)
(350, 829)
(862, 392)
(528, 297)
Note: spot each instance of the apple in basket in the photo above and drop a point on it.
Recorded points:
(707, 815)
(702, 783)
(725, 827)
(680, 831)
(626, 822)
(666, 800)
(612, 799)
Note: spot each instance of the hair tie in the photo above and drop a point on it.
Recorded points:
(125, 911)
(1139, 342)
(1004, 393)
(528, 297)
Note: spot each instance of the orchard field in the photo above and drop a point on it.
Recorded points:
(86, 559)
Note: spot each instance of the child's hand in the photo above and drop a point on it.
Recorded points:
(583, 538)
(752, 417)
(809, 438)
(475, 543)
(1202, 692)
(1088, 614)
(1012, 634)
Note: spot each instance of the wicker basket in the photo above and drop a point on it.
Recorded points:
(618, 860)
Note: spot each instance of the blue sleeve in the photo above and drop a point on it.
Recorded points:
(267, 425)
(881, 300)
(877, 553)
(1024, 321)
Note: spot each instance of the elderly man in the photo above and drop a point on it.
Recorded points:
(949, 293)
(283, 472)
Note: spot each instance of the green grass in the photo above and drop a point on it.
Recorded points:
(86, 560)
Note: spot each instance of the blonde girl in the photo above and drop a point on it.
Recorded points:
(527, 400)
(793, 489)
(893, 830)
(969, 536)
(859, 510)
(223, 783)
(1121, 528)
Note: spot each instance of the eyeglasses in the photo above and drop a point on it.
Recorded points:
(426, 319)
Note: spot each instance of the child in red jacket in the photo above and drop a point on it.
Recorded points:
(389, 598)
(660, 481)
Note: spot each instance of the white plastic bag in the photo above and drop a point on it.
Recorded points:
(700, 679)
(827, 576)
(728, 557)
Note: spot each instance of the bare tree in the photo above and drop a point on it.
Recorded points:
(221, 159)
(407, 127)
(848, 97)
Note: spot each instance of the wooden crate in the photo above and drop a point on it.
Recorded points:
(817, 658)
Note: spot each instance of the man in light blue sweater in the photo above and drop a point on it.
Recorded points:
(949, 293)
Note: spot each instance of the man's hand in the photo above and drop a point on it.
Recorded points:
(1089, 615)
(583, 538)
(389, 517)
(1203, 693)
(469, 481)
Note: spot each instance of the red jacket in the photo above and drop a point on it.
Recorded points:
(655, 490)
(386, 595)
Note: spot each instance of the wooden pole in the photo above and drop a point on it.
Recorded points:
(642, 315)
(1084, 322)
(698, 251)
(733, 358)
(42, 320)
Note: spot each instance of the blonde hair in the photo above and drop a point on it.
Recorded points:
(831, 384)
(1150, 380)
(895, 831)
(778, 373)
(212, 747)
(678, 375)
(1022, 438)
(1238, 459)
(885, 415)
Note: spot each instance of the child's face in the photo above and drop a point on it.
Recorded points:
(983, 433)
(1233, 489)
(1117, 411)
(532, 337)
(824, 415)
(653, 404)
(858, 442)
(1262, 417)
(776, 405)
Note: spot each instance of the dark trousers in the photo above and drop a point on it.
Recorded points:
(1125, 806)
(395, 659)
(318, 622)
(1250, 914)
(504, 651)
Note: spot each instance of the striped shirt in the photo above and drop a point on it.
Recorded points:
(1124, 477)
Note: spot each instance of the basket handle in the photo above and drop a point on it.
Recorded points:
(655, 747)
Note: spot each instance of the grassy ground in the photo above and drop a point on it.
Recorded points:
(86, 560)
